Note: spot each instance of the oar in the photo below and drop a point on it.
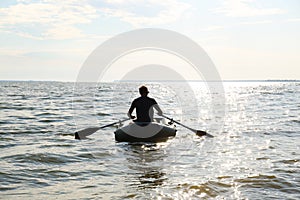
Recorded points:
(89, 131)
(198, 132)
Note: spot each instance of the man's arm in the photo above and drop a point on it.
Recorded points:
(159, 111)
(129, 114)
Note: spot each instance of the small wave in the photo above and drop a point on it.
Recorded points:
(56, 145)
(16, 95)
(105, 90)
(85, 155)
(24, 132)
(224, 177)
(11, 86)
(8, 182)
(17, 107)
(5, 122)
(210, 189)
(272, 93)
(256, 179)
(65, 134)
(290, 161)
(26, 118)
(286, 171)
(41, 158)
(88, 186)
(45, 114)
(102, 114)
(50, 120)
(6, 188)
(45, 98)
(296, 121)
(79, 101)
(54, 174)
(5, 107)
(5, 139)
(2, 146)
(34, 177)
(263, 158)
(264, 181)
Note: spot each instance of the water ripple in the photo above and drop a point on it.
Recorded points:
(253, 156)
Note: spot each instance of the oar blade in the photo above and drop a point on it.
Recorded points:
(85, 132)
(202, 133)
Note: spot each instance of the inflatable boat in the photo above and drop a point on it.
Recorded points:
(145, 132)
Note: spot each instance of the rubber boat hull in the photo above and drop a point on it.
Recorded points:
(150, 132)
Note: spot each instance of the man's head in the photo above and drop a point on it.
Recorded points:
(143, 90)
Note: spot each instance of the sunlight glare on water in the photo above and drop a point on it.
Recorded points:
(254, 154)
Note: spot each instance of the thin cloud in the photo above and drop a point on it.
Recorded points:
(12, 52)
(245, 8)
(50, 19)
(56, 19)
(256, 22)
(293, 20)
(213, 28)
(130, 11)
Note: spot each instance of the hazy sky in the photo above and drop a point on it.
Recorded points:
(246, 39)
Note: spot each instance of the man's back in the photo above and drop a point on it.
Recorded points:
(144, 108)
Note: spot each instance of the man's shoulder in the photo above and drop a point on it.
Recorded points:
(151, 99)
(136, 99)
(144, 99)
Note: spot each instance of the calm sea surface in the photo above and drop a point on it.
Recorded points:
(255, 153)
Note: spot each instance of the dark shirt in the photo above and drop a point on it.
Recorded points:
(144, 108)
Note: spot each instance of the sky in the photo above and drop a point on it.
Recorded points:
(246, 39)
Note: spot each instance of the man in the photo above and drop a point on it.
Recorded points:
(144, 107)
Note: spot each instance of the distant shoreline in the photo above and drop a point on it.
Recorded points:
(155, 81)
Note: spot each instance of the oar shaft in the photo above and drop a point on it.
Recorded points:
(180, 123)
(108, 125)
(198, 132)
(88, 131)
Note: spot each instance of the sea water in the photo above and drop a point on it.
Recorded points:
(254, 153)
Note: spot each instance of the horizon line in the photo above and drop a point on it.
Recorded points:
(138, 81)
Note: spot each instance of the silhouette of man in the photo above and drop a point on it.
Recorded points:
(144, 107)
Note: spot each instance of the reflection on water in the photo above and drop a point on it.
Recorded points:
(145, 162)
(151, 179)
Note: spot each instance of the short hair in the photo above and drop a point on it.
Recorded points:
(143, 90)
